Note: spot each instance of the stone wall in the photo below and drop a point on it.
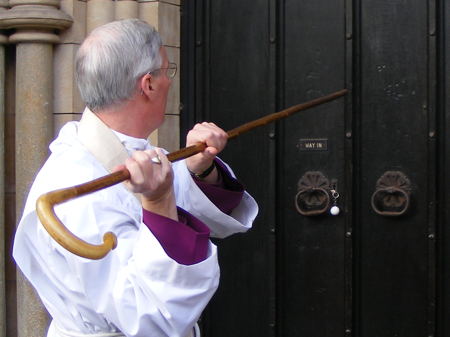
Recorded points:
(38, 43)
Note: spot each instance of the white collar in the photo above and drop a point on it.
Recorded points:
(131, 143)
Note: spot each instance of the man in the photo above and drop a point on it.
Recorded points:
(164, 269)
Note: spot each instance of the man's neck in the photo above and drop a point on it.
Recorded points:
(125, 119)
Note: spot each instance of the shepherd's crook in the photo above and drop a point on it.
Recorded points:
(46, 202)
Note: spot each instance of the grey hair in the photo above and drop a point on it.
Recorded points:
(112, 59)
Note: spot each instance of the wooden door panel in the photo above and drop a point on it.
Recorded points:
(234, 84)
(443, 301)
(393, 251)
(312, 284)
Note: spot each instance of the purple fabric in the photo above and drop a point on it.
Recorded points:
(226, 195)
(185, 241)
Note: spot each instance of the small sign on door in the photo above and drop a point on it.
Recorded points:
(310, 144)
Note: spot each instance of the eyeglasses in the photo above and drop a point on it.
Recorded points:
(171, 70)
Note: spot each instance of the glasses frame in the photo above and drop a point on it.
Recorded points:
(171, 70)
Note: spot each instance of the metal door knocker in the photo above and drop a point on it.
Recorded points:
(392, 194)
(315, 196)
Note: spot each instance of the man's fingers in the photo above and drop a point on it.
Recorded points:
(136, 173)
(141, 156)
(211, 151)
(209, 134)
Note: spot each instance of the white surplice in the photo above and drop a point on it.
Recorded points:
(136, 289)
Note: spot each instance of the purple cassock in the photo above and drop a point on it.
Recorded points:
(186, 240)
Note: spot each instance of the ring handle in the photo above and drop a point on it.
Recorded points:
(312, 202)
(392, 194)
(313, 196)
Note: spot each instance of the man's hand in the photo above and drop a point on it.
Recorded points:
(154, 181)
(215, 139)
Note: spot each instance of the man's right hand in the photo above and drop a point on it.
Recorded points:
(154, 181)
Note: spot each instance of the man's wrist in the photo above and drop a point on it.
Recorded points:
(205, 173)
(164, 206)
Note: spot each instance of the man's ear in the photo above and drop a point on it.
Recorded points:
(146, 85)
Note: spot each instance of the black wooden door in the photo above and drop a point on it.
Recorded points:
(379, 267)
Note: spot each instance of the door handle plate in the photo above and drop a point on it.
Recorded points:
(392, 194)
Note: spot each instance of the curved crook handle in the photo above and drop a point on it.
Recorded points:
(306, 206)
(46, 202)
(379, 199)
(45, 210)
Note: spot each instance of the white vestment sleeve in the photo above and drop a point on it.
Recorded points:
(192, 199)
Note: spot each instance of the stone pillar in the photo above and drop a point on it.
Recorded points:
(34, 22)
(126, 9)
(165, 17)
(3, 40)
(68, 104)
(34, 130)
(33, 133)
(98, 13)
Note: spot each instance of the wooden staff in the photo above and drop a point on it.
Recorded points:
(46, 202)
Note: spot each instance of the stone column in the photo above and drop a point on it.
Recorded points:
(98, 13)
(3, 40)
(68, 104)
(126, 9)
(34, 22)
(165, 17)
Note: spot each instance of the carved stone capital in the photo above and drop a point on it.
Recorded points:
(34, 20)
(34, 17)
(34, 36)
(54, 3)
(3, 9)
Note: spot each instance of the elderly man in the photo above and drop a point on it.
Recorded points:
(164, 270)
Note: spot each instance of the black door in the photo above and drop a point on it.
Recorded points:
(379, 267)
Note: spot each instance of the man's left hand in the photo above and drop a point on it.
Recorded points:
(215, 139)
